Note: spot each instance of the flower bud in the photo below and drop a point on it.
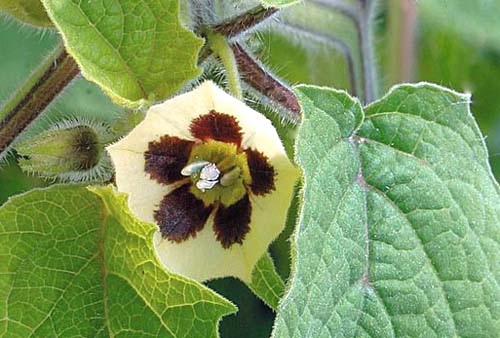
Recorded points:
(71, 150)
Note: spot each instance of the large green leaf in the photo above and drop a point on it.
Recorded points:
(446, 57)
(135, 50)
(399, 234)
(75, 264)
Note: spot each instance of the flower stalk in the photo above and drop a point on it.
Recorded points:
(220, 46)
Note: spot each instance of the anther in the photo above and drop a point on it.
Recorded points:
(230, 177)
(193, 168)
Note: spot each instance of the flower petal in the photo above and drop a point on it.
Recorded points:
(203, 257)
(262, 172)
(166, 157)
(144, 194)
(127, 155)
(181, 215)
(231, 223)
(216, 126)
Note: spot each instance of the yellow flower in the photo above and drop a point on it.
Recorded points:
(213, 175)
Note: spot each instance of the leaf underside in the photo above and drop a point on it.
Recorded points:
(399, 234)
(75, 264)
(137, 51)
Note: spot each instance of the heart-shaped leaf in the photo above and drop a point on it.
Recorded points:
(76, 264)
(399, 234)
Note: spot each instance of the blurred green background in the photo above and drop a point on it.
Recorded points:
(450, 42)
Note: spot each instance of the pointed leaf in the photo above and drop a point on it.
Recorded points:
(136, 51)
(75, 266)
(399, 234)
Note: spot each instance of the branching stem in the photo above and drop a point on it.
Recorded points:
(31, 99)
(362, 16)
(242, 23)
(262, 81)
(251, 71)
(338, 44)
(348, 9)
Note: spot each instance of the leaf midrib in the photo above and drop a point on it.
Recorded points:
(105, 272)
(356, 146)
(421, 245)
(113, 48)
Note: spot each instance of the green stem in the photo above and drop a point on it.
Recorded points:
(365, 31)
(361, 13)
(219, 45)
(339, 45)
(31, 99)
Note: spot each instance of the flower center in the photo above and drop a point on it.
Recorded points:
(219, 172)
(209, 177)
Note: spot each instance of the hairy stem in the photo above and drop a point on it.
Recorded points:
(220, 46)
(348, 9)
(365, 33)
(31, 99)
(361, 15)
(262, 81)
(244, 22)
(338, 44)
(250, 70)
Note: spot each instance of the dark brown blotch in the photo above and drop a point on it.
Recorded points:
(181, 215)
(166, 158)
(231, 224)
(85, 148)
(216, 126)
(262, 172)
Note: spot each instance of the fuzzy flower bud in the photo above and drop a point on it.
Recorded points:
(71, 150)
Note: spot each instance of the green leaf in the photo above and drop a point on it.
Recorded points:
(474, 20)
(28, 11)
(137, 52)
(266, 283)
(446, 57)
(278, 3)
(399, 234)
(74, 264)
